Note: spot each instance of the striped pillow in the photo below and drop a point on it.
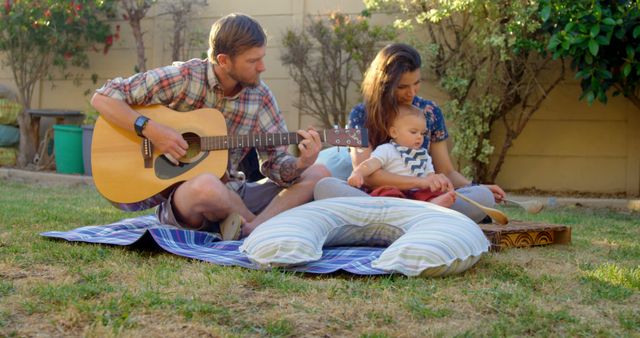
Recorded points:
(422, 238)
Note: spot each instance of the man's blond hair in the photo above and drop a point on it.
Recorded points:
(233, 34)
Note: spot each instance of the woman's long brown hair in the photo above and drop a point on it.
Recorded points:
(379, 86)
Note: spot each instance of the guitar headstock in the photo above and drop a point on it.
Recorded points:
(347, 137)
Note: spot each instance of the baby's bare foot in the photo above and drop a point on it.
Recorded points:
(445, 200)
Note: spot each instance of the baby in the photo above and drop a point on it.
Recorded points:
(404, 155)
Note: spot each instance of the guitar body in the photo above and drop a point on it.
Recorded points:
(118, 164)
(134, 179)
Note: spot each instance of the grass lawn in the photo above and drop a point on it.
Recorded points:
(56, 288)
(8, 156)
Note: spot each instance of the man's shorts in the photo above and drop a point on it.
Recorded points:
(255, 195)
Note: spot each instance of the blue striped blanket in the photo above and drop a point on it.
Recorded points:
(148, 232)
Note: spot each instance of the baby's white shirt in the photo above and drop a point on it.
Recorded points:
(392, 162)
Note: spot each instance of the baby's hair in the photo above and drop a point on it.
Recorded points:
(408, 109)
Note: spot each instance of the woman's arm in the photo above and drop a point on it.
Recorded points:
(442, 163)
(433, 182)
(383, 178)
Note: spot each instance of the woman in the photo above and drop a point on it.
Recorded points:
(393, 79)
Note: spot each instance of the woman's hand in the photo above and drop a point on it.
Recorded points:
(436, 182)
(498, 193)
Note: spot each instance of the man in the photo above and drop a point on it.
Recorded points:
(229, 80)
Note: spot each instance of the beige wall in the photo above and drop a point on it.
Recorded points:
(567, 145)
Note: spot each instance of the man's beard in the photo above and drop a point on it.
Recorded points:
(232, 74)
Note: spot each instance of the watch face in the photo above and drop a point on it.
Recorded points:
(139, 125)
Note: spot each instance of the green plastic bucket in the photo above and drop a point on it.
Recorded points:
(67, 145)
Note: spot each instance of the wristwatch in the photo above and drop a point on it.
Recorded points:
(140, 123)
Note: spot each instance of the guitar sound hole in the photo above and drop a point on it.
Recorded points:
(194, 150)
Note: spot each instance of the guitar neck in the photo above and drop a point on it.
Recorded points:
(253, 140)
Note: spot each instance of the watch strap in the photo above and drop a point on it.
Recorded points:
(140, 124)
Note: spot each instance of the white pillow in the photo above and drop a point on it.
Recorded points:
(425, 239)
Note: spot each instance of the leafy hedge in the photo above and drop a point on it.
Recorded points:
(602, 38)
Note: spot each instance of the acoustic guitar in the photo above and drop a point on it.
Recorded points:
(129, 173)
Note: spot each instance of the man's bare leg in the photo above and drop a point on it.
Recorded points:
(295, 195)
(206, 197)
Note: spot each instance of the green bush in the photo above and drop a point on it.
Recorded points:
(602, 39)
(327, 60)
(90, 116)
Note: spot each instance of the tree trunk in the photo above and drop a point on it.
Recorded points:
(513, 131)
(137, 34)
(635, 100)
(506, 145)
(28, 128)
(178, 32)
(176, 46)
(633, 97)
(28, 137)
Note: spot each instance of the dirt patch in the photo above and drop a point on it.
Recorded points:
(15, 272)
(568, 193)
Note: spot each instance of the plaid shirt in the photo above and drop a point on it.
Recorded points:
(190, 85)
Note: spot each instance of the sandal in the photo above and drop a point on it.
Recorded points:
(231, 227)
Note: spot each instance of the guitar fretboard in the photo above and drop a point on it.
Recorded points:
(251, 140)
